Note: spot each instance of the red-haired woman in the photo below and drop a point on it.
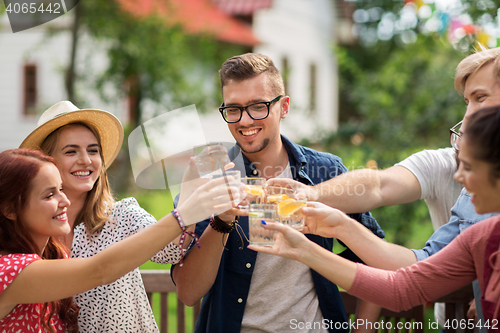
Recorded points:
(35, 287)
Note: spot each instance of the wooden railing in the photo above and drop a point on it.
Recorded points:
(457, 305)
(159, 281)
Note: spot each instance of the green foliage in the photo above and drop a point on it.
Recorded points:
(402, 99)
(482, 11)
(156, 202)
(395, 101)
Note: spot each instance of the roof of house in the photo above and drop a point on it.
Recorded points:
(196, 17)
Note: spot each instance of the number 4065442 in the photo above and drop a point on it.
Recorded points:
(470, 324)
(32, 8)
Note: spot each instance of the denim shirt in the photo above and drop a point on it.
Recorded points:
(463, 215)
(223, 306)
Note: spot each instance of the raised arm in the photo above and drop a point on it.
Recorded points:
(47, 280)
(448, 270)
(292, 244)
(197, 275)
(361, 190)
(374, 251)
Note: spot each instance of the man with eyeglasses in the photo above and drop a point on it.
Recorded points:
(246, 291)
(425, 175)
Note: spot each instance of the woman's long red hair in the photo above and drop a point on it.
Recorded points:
(18, 167)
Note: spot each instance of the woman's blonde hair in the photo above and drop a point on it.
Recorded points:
(475, 62)
(99, 201)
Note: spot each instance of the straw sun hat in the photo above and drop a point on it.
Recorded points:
(108, 127)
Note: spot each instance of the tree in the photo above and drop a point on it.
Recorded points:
(149, 59)
(152, 55)
(403, 99)
(395, 101)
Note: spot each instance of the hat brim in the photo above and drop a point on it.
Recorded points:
(107, 126)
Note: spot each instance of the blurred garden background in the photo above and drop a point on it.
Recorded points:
(390, 64)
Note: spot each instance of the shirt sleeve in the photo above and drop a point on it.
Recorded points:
(431, 167)
(440, 238)
(436, 276)
(11, 265)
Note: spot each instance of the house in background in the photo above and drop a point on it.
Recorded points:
(299, 35)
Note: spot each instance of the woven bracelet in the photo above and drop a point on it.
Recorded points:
(220, 226)
(185, 231)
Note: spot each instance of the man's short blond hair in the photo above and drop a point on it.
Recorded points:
(475, 62)
(248, 66)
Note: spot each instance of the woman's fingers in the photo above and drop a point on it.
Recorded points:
(263, 249)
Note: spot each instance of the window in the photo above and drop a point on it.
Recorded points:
(30, 90)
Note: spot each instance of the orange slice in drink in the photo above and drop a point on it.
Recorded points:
(273, 198)
(254, 190)
(289, 206)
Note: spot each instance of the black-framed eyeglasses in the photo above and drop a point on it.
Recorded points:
(455, 135)
(256, 111)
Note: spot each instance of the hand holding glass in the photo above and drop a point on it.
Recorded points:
(256, 214)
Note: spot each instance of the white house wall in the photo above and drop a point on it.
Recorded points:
(303, 32)
(300, 30)
(50, 55)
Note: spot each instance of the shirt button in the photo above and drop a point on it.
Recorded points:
(248, 265)
(254, 172)
(240, 300)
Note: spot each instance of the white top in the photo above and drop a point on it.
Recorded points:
(121, 306)
(434, 170)
(282, 295)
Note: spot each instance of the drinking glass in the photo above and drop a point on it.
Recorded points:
(254, 187)
(210, 159)
(275, 193)
(290, 212)
(232, 179)
(257, 213)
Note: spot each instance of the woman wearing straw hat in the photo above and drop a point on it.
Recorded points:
(84, 143)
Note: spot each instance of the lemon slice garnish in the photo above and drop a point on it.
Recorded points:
(289, 206)
(254, 190)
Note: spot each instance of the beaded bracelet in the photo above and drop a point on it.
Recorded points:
(220, 226)
(185, 231)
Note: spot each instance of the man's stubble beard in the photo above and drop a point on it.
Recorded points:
(265, 143)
